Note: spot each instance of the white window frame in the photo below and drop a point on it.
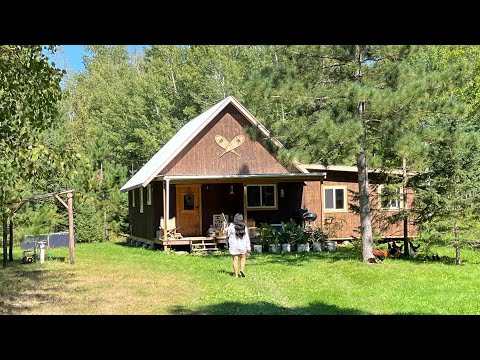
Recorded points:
(140, 199)
(335, 187)
(262, 207)
(133, 198)
(149, 194)
(399, 201)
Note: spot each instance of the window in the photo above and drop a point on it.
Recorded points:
(133, 197)
(390, 197)
(188, 201)
(335, 198)
(262, 196)
(141, 199)
(149, 194)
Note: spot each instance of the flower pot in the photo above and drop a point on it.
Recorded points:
(257, 249)
(331, 245)
(286, 248)
(317, 246)
(303, 247)
(274, 248)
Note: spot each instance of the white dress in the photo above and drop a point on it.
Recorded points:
(237, 246)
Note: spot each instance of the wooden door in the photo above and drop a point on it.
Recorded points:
(189, 204)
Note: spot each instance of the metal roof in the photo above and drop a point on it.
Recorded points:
(167, 153)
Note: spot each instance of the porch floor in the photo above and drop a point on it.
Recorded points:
(190, 241)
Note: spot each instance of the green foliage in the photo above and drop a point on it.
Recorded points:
(88, 222)
(29, 92)
(268, 234)
(291, 233)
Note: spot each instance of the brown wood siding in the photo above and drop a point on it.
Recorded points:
(146, 225)
(345, 224)
(142, 223)
(202, 155)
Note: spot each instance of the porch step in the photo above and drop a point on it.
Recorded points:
(200, 245)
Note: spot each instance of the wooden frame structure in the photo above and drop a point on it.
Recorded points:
(68, 205)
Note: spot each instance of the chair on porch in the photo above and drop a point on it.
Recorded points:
(171, 229)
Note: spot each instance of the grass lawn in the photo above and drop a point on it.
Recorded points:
(115, 278)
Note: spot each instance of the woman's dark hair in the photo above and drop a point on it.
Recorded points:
(239, 226)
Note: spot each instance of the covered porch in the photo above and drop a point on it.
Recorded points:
(192, 205)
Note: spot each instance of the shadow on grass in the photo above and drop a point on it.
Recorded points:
(265, 308)
(25, 287)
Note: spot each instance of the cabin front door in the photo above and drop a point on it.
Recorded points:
(188, 210)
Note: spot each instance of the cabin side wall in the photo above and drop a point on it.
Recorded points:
(345, 224)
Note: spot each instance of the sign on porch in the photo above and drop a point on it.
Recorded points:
(217, 221)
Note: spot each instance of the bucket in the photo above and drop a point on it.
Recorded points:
(286, 248)
(317, 246)
(274, 248)
(331, 245)
(257, 249)
(303, 248)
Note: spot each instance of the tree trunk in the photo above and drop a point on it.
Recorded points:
(10, 252)
(365, 216)
(405, 218)
(5, 230)
(458, 259)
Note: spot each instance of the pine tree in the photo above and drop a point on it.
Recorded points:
(340, 105)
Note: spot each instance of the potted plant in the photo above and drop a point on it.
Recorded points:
(269, 237)
(288, 235)
(317, 238)
(302, 241)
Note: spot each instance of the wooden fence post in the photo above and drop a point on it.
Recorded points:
(71, 239)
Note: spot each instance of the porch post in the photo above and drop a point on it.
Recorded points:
(167, 186)
(164, 211)
(321, 204)
(245, 203)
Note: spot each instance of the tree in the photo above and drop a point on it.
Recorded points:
(29, 92)
(448, 184)
(340, 104)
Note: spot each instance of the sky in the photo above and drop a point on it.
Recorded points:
(69, 57)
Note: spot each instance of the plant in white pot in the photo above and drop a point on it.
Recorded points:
(288, 235)
(302, 241)
(318, 238)
(269, 238)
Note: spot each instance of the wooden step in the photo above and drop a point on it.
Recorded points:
(206, 249)
(202, 244)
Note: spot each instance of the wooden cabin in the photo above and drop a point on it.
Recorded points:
(210, 167)
(334, 201)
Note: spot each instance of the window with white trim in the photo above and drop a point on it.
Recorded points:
(140, 199)
(262, 196)
(133, 197)
(149, 194)
(390, 198)
(335, 198)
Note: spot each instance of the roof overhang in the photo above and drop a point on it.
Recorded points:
(247, 178)
(346, 168)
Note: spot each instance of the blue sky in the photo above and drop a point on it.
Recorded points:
(70, 56)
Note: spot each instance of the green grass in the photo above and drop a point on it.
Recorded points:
(114, 278)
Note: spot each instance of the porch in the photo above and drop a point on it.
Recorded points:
(193, 243)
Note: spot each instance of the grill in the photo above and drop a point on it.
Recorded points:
(309, 216)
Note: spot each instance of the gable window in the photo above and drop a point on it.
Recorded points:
(133, 197)
(335, 198)
(262, 196)
(141, 199)
(390, 198)
(149, 194)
